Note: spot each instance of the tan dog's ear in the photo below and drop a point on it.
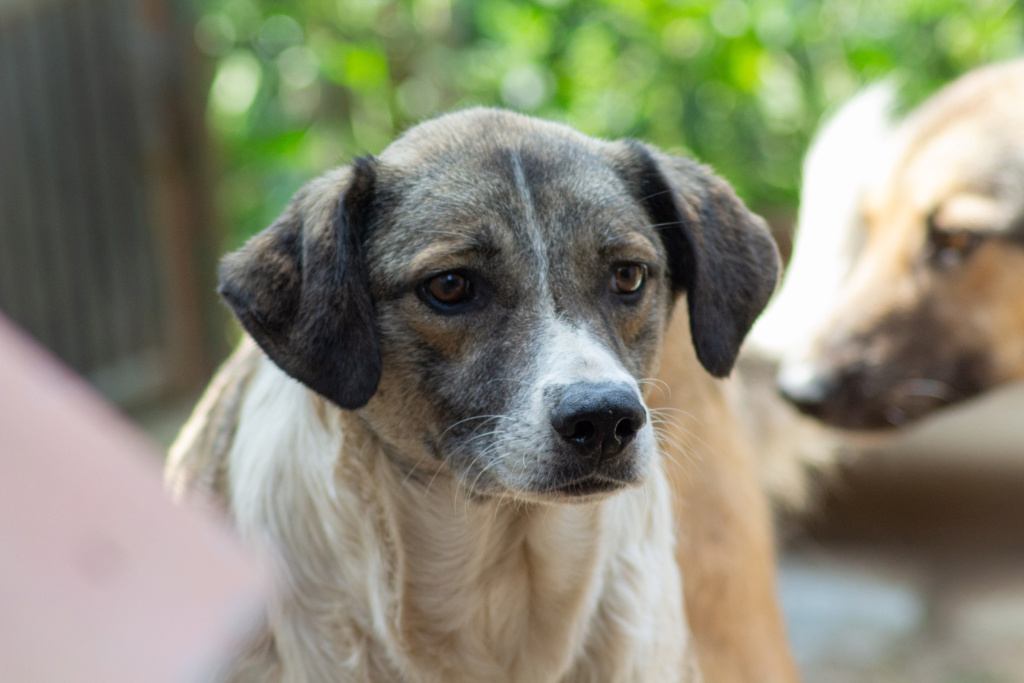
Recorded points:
(719, 253)
(300, 288)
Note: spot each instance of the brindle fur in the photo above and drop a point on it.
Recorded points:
(433, 403)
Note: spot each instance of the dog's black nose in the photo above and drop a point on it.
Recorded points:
(599, 420)
(806, 388)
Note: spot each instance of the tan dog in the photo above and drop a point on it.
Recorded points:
(463, 484)
(932, 310)
(726, 548)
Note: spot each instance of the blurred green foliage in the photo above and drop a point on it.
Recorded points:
(740, 84)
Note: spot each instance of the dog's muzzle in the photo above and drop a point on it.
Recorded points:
(598, 420)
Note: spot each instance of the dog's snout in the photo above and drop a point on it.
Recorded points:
(598, 420)
(805, 387)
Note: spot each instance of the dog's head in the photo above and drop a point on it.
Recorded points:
(933, 309)
(490, 293)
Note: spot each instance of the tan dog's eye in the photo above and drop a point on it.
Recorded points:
(949, 247)
(629, 278)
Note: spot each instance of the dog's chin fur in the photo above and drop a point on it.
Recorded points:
(382, 578)
(629, 472)
(587, 489)
(580, 491)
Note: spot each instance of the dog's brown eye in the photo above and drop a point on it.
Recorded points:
(949, 247)
(629, 278)
(449, 288)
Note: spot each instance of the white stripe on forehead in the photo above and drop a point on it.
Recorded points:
(532, 225)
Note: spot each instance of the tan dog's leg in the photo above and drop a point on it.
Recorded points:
(725, 549)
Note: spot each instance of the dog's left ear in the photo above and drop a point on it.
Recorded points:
(719, 253)
(300, 287)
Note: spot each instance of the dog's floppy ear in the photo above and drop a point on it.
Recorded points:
(719, 253)
(300, 288)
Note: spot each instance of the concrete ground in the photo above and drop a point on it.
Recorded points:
(867, 615)
(905, 572)
(910, 569)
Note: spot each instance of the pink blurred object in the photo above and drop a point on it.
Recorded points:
(102, 578)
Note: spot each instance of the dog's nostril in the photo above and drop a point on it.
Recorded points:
(625, 429)
(582, 431)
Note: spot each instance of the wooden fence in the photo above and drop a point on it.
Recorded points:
(105, 233)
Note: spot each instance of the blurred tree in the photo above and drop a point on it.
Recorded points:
(740, 84)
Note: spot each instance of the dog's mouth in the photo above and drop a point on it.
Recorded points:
(881, 412)
(587, 486)
(579, 482)
(882, 397)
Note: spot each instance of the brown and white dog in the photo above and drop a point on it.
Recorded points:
(929, 299)
(437, 424)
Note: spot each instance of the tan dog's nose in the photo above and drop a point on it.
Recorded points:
(598, 420)
(806, 387)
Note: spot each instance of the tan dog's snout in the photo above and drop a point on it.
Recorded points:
(886, 370)
(856, 396)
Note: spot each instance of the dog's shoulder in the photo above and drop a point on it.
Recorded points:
(198, 458)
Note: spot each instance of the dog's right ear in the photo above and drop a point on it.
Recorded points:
(719, 253)
(300, 288)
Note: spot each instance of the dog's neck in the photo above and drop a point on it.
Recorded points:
(482, 574)
(402, 579)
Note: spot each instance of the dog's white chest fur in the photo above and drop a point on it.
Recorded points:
(383, 579)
